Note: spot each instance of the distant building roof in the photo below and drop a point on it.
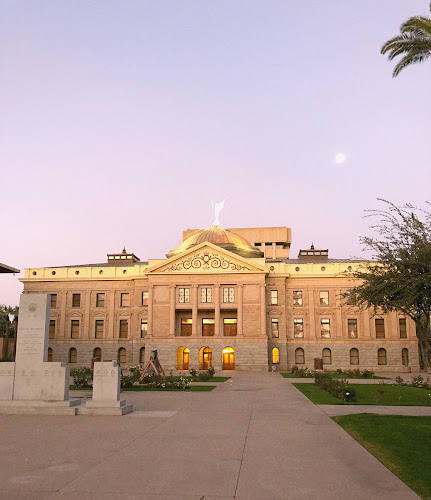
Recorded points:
(7, 269)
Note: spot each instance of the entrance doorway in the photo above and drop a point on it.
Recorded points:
(205, 358)
(183, 356)
(228, 358)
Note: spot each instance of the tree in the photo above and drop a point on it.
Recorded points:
(399, 279)
(414, 42)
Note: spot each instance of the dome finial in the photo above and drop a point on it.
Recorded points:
(218, 207)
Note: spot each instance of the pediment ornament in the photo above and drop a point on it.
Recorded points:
(206, 261)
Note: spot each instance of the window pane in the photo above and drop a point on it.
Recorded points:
(98, 334)
(354, 357)
(187, 295)
(122, 355)
(186, 327)
(274, 297)
(326, 356)
(324, 298)
(124, 328)
(299, 356)
(74, 329)
(275, 356)
(298, 328)
(381, 357)
(52, 328)
(380, 328)
(145, 298)
(274, 328)
(144, 328)
(125, 300)
(403, 328)
(297, 298)
(76, 300)
(352, 328)
(53, 300)
(405, 357)
(100, 300)
(325, 328)
(73, 355)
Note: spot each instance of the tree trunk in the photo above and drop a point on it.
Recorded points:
(424, 345)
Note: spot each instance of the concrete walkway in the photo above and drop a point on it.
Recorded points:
(256, 437)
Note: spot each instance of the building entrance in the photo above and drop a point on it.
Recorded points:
(228, 358)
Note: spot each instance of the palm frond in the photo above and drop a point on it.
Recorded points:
(407, 60)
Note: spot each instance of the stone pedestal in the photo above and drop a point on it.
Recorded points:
(106, 391)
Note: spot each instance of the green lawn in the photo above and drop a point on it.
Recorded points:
(192, 388)
(189, 377)
(333, 375)
(371, 394)
(402, 444)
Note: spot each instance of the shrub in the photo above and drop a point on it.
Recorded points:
(419, 382)
(301, 372)
(337, 388)
(82, 377)
(127, 381)
(367, 374)
(193, 372)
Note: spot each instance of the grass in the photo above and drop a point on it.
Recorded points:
(371, 394)
(333, 375)
(401, 443)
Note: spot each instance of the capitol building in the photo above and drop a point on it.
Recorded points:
(232, 299)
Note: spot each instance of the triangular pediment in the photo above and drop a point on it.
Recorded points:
(207, 258)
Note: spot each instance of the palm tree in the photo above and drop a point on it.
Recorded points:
(414, 42)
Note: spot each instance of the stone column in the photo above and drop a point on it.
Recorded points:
(63, 326)
(263, 309)
(240, 331)
(172, 291)
(338, 317)
(111, 315)
(194, 299)
(313, 332)
(217, 311)
(366, 321)
(150, 311)
(86, 320)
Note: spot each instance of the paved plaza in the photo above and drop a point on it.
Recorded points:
(255, 437)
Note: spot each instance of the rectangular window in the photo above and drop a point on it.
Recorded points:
(144, 301)
(324, 298)
(144, 328)
(98, 329)
(184, 295)
(274, 297)
(297, 298)
(298, 328)
(208, 327)
(352, 328)
(229, 327)
(380, 328)
(74, 329)
(228, 294)
(403, 328)
(52, 328)
(186, 327)
(325, 328)
(100, 300)
(124, 328)
(274, 328)
(125, 300)
(76, 300)
(53, 300)
(206, 295)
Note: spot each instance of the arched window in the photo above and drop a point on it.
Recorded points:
(205, 358)
(381, 357)
(182, 358)
(73, 355)
(275, 355)
(354, 356)
(49, 354)
(122, 355)
(228, 358)
(327, 356)
(405, 356)
(97, 354)
(299, 356)
(142, 355)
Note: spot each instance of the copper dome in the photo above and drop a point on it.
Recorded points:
(220, 237)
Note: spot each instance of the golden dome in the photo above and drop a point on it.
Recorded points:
(220, 237)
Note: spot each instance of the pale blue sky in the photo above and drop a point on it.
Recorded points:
(123, 120)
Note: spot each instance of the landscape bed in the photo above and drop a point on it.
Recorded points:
(334, 375)
(401, 443)
(371, 394)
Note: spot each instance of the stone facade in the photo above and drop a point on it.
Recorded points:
(245, 299)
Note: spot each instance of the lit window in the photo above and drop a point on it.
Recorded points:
(52, 328)
(124, 328)
(274, 297)
(352, 328)
(405, 356)
(380, 328)
(228, 294)
(208, 327)
(186, 327)
(100, 300)
(144, 298)
(298, 328)
(324, 298)
(274, 328)
(125, 300)
(206, 295)
(354, 356)
(98, 329)
(297, 298)
(76, 300)
(144, 328)
(49, 354)
(325, 328)
(229, 327)
(403, 328)
(74, 329)
(299, 356)
(184, 295)
(73, 355)
(53, 300)
(327, 356)
(122, 355)
(275, 356)
(381, 357)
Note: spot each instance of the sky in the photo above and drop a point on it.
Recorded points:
(121, 121)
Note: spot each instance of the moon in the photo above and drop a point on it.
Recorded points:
(340, 158)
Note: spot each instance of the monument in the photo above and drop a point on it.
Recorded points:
(31, 384)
